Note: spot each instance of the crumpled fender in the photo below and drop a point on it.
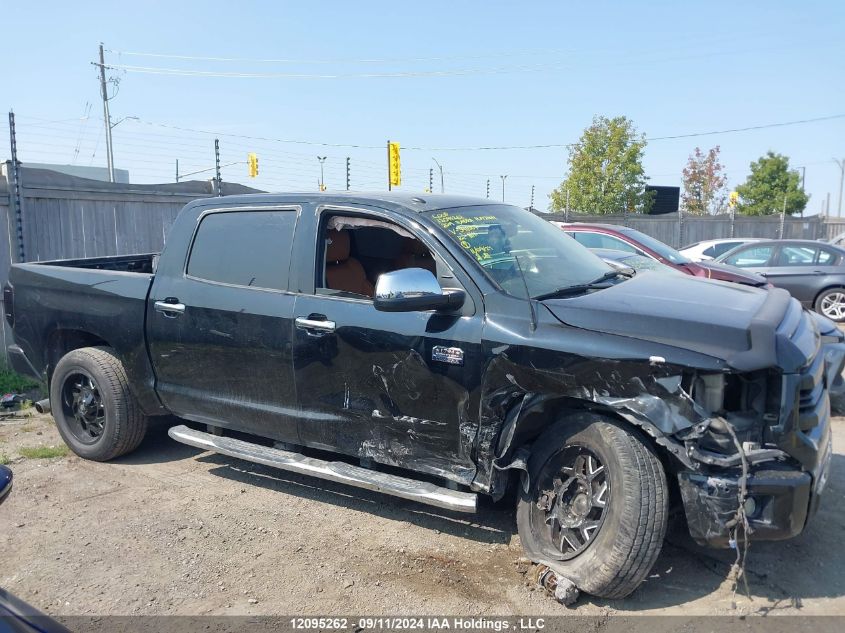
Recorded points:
(519, 401)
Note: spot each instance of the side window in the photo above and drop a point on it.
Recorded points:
(796, 256)
(755, 256)
(721, 249)
(358, 250)
(826, 258)
(244, 248)
(590, 240)
(614, 243)
(710, 251)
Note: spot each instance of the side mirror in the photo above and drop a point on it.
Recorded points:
(414, 290)
(5, 482)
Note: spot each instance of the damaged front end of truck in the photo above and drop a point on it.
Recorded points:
(746, 436)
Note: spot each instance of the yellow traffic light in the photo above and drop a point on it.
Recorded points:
(733, 198)
(252, 161)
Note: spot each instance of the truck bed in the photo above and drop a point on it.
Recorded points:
(103, 297)
(143, 263)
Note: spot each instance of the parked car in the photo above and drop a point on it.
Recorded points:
(438, 348)
(16, 616)
(625, 260)
(622, 238)
(813, 272)
(711, 249)
(837, 240)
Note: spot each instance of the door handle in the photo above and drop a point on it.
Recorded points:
(321, 325)
(170, 310)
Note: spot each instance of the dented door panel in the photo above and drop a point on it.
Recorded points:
(373, 389)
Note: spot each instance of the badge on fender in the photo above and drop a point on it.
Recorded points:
(450, 355)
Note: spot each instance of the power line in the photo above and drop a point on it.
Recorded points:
(495, 147)
(336, 61)
(183, 72)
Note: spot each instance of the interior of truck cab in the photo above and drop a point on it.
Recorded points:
(359, 250)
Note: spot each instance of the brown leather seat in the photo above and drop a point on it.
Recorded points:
(342, 271)
(414, 255)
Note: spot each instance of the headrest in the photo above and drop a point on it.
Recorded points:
(337, 246)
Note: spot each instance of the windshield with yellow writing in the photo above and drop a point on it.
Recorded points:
(510, 243)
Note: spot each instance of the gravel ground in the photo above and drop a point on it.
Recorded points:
(172, 530)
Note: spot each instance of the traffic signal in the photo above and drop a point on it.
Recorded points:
(252, 161)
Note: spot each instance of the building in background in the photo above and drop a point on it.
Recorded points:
(82, 171)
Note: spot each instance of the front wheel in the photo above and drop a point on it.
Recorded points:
(96, 414)
(596, 506)
(831, 303)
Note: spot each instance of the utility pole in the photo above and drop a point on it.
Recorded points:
(322, 160)
(17, 199)
(566, 210)
(841, 164)
(431, 179)
(783, 217)
(106, 116)
(531, 206)
(503, 186)
(348, 179)
(440, 167)
(177, 170)
(488, 187)
(217, 178)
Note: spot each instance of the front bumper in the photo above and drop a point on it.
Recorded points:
(782, 499)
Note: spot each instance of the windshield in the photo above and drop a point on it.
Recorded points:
(496, 235)
(664, 250)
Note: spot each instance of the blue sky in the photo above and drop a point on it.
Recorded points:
(472, 74)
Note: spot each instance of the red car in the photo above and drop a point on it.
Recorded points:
(622, 238)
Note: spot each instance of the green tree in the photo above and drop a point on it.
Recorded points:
(605, 171)
(767, 184)
(705, 185)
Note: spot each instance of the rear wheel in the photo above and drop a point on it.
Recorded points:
(96, 414)
(831, 303)
(597, 504)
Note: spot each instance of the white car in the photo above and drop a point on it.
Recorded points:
(710, 249)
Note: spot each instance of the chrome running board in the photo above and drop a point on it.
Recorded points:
(341, 472)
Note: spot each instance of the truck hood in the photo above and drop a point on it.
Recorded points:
(746, 327)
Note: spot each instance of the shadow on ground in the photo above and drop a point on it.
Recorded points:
(780, 575)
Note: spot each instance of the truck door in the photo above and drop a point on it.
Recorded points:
(219, 328)
(394, 388)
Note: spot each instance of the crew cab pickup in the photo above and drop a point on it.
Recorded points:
(436, 349)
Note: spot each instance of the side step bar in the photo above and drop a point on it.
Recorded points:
(421, 491)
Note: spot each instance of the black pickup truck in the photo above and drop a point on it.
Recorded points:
(440, 348)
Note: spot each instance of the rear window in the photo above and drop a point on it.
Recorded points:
(244, 248)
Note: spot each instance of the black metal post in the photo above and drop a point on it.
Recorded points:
(17, 199)
(218, 178)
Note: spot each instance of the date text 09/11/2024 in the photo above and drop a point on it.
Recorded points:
(418, 623)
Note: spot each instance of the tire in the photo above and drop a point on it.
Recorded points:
(105, 421)
(831, 303)
(620, 540)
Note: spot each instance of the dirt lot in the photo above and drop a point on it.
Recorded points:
(172, 530)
